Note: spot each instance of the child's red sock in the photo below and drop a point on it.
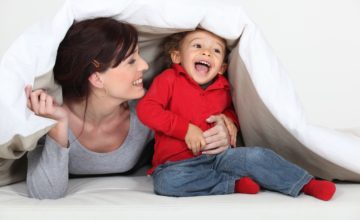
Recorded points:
(321, 189)
(246, 185)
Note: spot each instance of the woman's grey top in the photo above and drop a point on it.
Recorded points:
(49, 165)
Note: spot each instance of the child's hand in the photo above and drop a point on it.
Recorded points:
(230, 125)
(194, 139)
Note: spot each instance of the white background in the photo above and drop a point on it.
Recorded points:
(318, 42)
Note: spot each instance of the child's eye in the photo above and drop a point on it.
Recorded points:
(217, 50)
(197, 45)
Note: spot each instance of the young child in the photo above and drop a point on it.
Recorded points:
(177, 105)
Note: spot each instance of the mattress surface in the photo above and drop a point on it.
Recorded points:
(132, 197)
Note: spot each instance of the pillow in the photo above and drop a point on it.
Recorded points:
(268, 108)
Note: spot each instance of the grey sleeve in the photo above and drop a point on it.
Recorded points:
(48, 170)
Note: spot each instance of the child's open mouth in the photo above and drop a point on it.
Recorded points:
(202, 67)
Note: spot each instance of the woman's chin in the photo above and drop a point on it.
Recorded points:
(140, 93)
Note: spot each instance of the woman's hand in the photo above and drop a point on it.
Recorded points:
(232, 129)
(44, 105)
(217, 138)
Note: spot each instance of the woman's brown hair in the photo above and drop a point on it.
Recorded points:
(89, 46)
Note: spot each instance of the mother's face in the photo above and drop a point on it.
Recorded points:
(125, 81)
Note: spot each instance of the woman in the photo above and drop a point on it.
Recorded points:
(97, 132)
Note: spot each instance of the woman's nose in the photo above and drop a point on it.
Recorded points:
(144, 65)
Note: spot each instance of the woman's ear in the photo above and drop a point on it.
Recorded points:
(223, 68)
(96, 80)
(175, 56)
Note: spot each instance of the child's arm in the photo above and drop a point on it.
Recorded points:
(151, 109)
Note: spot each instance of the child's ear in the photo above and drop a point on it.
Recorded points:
(96, 80)
(223, 68)
(175, 56)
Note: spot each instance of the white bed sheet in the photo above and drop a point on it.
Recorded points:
(132, 197)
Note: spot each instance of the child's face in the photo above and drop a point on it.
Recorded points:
(201, 54)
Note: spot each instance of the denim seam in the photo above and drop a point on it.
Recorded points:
(295, 190)
(245, 162)
(232, 179)
(231, 185)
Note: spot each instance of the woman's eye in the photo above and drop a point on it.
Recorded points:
(132, 61)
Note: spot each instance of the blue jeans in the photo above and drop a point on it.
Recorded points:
(216, 174)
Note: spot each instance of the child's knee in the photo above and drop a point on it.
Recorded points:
(165, 183)
(258, 153)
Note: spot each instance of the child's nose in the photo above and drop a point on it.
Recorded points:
(206, 52)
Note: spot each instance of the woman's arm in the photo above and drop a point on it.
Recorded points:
(48, 174)
(44, 105)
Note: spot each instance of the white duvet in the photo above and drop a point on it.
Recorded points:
(269, 111)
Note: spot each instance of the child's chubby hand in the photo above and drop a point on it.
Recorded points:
(194, 139)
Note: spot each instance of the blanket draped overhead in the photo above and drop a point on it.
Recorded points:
(269, 111)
